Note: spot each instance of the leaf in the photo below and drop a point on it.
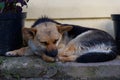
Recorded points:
(2, 5)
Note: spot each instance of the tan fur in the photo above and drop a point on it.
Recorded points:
(67, 54)
(45, 35)
(20, 52)
(68, 58)
(47, 58)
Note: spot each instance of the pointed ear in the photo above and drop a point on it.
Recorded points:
(29, 33)
(63, 29)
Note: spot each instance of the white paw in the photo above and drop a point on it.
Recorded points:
(10, 53)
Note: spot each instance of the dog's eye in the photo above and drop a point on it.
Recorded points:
(44, 43)
(55, 41)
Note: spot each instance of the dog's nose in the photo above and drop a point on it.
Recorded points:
(52, 53)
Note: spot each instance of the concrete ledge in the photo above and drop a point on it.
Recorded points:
(33, 68)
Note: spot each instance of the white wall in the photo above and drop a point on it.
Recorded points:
(90, 13)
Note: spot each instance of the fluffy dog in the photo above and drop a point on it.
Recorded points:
(64, 42)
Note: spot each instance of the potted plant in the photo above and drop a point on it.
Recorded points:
(11, 23)
(116, 23)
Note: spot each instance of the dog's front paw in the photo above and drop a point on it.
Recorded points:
(11, 53)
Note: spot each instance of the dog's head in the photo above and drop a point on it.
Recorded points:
(46, 37)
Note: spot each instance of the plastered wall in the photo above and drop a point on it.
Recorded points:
(89, 13)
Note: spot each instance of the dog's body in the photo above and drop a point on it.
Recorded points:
(52, 40)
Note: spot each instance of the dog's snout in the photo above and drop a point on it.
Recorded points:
(52, 53)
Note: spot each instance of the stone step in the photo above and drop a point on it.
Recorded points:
(33, 68)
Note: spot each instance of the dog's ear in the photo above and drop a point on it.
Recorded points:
(63, 29)
(29, 33)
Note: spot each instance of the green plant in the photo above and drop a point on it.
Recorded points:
(1, 60)
(12, 6)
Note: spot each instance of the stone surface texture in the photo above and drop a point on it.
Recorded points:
(33, 68)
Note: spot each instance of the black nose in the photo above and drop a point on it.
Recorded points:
(52, 53)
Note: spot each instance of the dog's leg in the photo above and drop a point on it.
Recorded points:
(68, 50)
(20, 52)
(67, 58)
(47, 58)
(68, 54)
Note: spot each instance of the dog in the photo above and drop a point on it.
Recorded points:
(53, 41)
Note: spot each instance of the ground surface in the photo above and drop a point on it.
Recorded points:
(33, 68)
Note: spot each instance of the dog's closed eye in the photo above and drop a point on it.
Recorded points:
(44, 43)
(55, 41)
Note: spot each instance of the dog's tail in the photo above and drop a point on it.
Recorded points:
(92, 57)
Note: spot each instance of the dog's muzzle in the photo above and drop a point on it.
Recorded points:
(52, 53)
